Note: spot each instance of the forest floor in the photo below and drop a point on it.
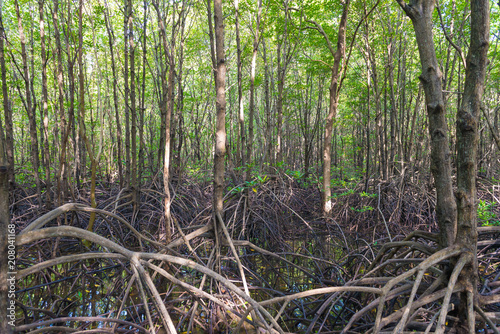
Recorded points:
(283, 246)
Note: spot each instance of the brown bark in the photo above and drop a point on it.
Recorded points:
(29, 108)
(142, 95)
(72, 91)
(166, 104)
(81, 113)
(336, 70)
(467, 145)
(9, 139)
(409, 156)
(61, 184)
(115, 98)
(241, 115)
(285, 51)
(494, 134)
(390, 69)
(6, 173)
(127, 91)
(420, 13)
(133, 112)
(180, 86)
(5, 299)
(268, 140)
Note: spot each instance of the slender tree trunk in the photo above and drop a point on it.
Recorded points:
(220, 136)
(29, 108)
(367, 127)
(251, 113)
(241, 115)
(142, 108)
(6, 174)
(409, 156)
(61, 185)
(9, 139)
(72, 91)
(45, 109)
(267, 136)
(284, 56)
(115, 99)
(133, 111)
(8, 231)
(180, 88)
(166, 107)
(392, 95)
(126, 55)
(332, 111)
(81, 113)
(279, 100)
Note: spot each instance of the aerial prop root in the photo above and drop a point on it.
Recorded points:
(51, 215)
(403, 315)
(136, 259)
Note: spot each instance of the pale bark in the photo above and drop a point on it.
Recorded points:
(336, 70)
(45, 109)
(220, 104)
(251, 110)
(166, 105)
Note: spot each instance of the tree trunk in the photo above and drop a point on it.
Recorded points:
(420, 14)
(29, 108)
(220, 104)
(268, 140)
(133, 113)
(166, 107)
(81, 113)
(9, 139)
(467, 143)
(127, 91)
(251, 111)
(45, 109)
(332, 112)
(241, 115)
(8, 232)
(115, 99)
(284, 56)
(142, 108)
(61, 172)
(6, 174)
(71, 110)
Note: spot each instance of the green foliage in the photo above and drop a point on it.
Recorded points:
(486, 215)
(297, 175)
(364, 208)
(345, 193)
